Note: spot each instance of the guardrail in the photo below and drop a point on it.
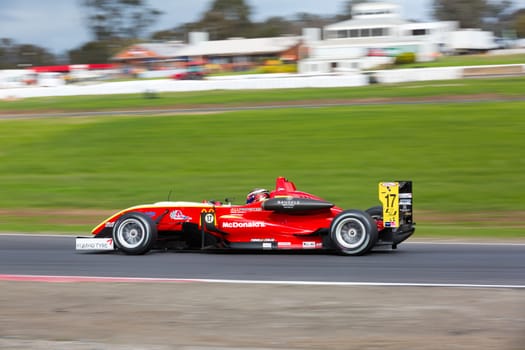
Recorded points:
(445, 73)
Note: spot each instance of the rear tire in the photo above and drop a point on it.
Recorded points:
(376, 212)
(353, 232)
(135, 233)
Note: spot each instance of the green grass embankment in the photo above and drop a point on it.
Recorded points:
(463, 158)
(469, 60)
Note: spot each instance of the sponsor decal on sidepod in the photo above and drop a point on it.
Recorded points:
(179, 215)
(234, 224)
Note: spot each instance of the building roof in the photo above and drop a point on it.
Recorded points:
(150, 50)
(239, 46)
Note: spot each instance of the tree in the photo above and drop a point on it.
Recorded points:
(32, 55)
(308, 20)
(519, 24)
(97, 51)
(125, 19)
(486, 14)
(167, 35)
(14, 55)
(348, 6)
(232, 10)
(273, 26)
(225, 19)
(469, 13)
(498, 19)
(6, 57)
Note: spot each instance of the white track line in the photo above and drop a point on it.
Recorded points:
(77, 279)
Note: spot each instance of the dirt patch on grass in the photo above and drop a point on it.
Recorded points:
(213, 108)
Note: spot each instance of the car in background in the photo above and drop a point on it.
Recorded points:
(192, 71)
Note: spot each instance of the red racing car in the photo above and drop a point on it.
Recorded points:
(282, 219)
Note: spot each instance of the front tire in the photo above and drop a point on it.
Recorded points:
(353, 232)
(135, 233)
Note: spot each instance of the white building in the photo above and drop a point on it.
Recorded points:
(375, 34)
(240, 52)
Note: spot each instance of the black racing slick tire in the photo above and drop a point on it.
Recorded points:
(376, 212)
(353, 232)
(134, 233)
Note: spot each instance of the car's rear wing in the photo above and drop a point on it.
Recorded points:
(396, 198)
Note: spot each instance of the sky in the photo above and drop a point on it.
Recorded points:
(58, 25)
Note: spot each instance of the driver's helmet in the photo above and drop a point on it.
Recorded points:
(257, 195)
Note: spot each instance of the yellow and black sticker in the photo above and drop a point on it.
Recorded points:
(208, 218)
(389, 197)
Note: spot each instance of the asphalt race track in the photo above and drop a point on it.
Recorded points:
(412, 263)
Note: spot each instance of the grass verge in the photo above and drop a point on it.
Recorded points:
(462, 158)
(498, 87)
(470, 60)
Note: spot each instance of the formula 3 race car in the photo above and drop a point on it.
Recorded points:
(283, 219)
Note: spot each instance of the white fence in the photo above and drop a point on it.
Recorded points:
(417, 74)
(165, 85)
(247, 82)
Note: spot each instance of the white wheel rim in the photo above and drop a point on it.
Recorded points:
(350, 233)
(131, 233)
